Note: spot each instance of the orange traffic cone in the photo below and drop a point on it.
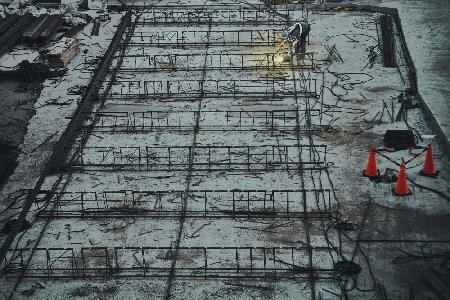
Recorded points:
(401, 188)
(371, 170)
(428, 166)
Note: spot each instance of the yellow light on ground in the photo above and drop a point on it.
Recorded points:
(279, 58)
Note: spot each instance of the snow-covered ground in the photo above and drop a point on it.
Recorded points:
(427, 31)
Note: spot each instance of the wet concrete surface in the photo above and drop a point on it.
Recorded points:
(8, 156)
(17, 100)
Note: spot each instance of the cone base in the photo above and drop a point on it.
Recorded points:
(436, 174)
(372, 177)
(401, 194)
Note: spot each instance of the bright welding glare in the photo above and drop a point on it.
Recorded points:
(279, 56)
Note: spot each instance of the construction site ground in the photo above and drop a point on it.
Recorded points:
(222, 165)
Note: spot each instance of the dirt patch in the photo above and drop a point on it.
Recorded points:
(356, 134)
(378, 89)
(94, 292)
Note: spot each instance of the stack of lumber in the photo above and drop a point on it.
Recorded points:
(60, 53)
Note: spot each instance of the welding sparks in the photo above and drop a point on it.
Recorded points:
(280, 56)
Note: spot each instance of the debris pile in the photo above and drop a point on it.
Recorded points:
(26, 23)
(25, 33)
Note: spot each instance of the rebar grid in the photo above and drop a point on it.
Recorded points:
(146, 63)
(294, 263)
(178, 17)
(265, 121)
(229, 89)
(274, 263)
(218, 7)
(197, 38)
(207, 158)
(217, 14)
(267, 204)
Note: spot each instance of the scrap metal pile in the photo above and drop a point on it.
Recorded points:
(44, 39)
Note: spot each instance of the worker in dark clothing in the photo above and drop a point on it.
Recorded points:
(298, 34)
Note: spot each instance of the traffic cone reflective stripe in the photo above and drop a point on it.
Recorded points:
(401, 188)
(428, 166)
(371, 169)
